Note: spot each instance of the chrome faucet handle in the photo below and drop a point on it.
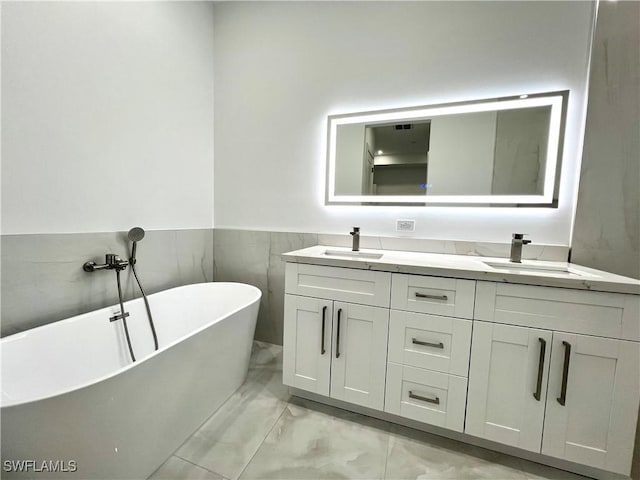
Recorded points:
(356, 231)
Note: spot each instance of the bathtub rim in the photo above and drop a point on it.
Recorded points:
(96, 380)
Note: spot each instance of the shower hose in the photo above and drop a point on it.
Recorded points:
(146, 304)
(124, 319)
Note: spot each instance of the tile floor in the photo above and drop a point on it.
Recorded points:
(263, 433)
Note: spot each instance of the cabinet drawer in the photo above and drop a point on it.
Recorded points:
(612, 315)
(426, 396)
(365, 287)
(430, 341)
(440, 296)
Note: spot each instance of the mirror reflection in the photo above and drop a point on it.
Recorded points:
(494, 152)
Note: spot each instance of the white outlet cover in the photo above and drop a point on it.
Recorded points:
(405, 225)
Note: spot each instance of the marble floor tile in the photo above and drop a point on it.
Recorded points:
(263, 433)
(175, 468)
(314, 441)
(418, 455)
(229, 439)
(265, 355)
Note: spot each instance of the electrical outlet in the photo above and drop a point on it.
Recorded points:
(405, 225)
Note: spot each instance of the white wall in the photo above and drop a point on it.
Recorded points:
(107, 112)
(283, 67)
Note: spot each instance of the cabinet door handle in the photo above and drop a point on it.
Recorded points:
(338, 334)
(324, 313)
(427, 344)
(424, 399)
(434, 297)
(543, 349)
(565, 373)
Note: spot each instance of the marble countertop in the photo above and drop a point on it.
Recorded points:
(530, 272)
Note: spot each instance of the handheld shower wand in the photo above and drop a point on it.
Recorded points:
(135, 235)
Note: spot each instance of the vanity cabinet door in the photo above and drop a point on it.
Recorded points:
(507, 384)
(592, 403)
(307, 343)
(359, 354)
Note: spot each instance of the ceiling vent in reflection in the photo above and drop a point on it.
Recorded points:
(405, 126)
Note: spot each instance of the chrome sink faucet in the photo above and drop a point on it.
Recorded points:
(517, 242)
(356, 239)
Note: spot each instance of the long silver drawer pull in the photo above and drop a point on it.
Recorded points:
(424, 399)
(565, 373)
(324, 314)
(543, 349)
(433, 297)
(427, 344)
(338, 335)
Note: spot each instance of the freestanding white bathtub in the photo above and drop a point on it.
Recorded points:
(75, 406)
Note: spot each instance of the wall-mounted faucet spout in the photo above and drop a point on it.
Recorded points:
(114, 262)
(111, 262)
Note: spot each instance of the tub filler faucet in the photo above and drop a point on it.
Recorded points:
(114, 262)
(517, 242)
(356, 239)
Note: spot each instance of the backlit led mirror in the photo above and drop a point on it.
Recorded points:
(502, 152)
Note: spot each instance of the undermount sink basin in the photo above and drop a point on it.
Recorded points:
(534, 268)
(351, 254)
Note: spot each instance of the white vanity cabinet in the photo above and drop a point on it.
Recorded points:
(551, 370)
(333, 346)
(568, 395)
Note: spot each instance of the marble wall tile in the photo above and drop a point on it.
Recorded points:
(254, 257)
(607, 226)
(243, 256)
(43, 280)
(280, 243)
